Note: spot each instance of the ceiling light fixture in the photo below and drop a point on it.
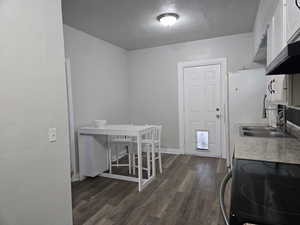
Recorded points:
(168, 19)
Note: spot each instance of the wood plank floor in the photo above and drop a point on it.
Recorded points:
(185, 194)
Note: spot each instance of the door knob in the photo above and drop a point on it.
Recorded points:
(218, 116)
(217, 109)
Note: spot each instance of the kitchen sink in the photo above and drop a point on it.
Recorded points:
(258, 128)
(267, 134)
(260, 131)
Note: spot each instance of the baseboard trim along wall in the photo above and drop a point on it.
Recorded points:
(175, 151)
(75, 177)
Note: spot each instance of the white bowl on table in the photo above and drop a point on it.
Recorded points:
(100, 123)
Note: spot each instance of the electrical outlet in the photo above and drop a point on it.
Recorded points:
(52, 134)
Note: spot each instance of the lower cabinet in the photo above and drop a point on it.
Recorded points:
(92, 155)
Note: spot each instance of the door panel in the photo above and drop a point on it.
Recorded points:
(211, 95)
(202, 99)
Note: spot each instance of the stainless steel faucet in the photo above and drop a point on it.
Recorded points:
(281, 115)
(265, 109)
(264, 114)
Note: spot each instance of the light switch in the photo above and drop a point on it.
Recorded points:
(52, 134)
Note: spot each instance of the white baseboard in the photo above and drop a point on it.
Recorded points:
(177, 151)
(75, 178)
(174, 151)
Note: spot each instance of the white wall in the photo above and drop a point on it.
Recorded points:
(99, 78)
(35, 174)
(153, 78)
(246, 91)
(99, 72)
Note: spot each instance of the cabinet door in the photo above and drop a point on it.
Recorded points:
(278, 42)
(269, 43)
(279, 29)
(293, 18)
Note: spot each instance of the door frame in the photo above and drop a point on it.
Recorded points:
(71, 122)
(224, 136)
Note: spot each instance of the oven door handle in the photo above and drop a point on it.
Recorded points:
(222, 195)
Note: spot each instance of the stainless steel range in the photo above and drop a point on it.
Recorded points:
(265, 193)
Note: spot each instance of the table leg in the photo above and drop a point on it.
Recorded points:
(129, 159)
(153, 160)
(140, 166)
(148, 148)
(133, 161)
(109, 154)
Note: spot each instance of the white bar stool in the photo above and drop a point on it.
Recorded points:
(151, 143)
(123, 142)
(157, 146)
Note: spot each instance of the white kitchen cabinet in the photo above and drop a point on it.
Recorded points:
(269, 44)
(276, 85)
(265, 13)
(293, 18)
(276, 33)
(279, 29)
(92, 155)
(270, 57)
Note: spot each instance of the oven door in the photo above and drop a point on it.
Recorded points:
(265, 193)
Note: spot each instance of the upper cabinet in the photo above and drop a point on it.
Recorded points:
(276, 41)
(264, 15)
(279, 29)
(293, 18)
(284, 17)
(276, 33)
(269, 44)
(277, 23)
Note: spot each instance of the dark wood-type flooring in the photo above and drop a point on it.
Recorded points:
(185, 194)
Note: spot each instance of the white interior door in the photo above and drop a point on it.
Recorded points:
(202, 107)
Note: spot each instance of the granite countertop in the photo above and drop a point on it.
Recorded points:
(283, 150)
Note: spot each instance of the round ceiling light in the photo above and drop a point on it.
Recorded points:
(168, 19)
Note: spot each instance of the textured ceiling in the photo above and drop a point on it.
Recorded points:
(132, 24)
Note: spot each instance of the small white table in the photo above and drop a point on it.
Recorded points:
(122, 130)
